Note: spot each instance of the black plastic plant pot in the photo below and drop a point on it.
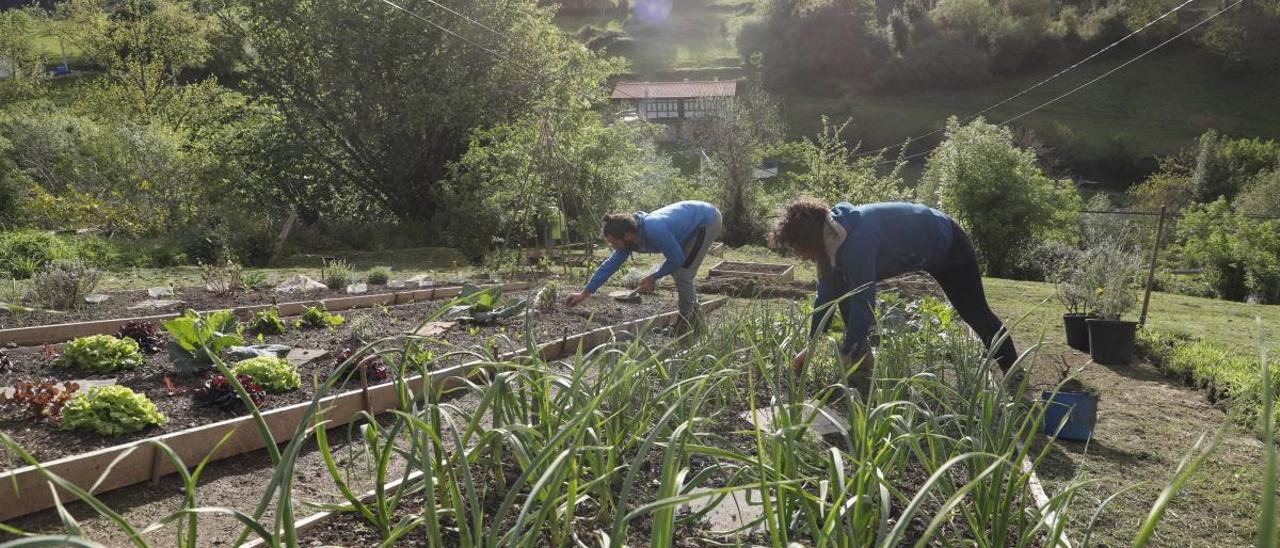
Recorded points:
(1077, 330)
(1111, 341)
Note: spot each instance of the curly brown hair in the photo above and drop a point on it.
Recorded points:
(800, 225)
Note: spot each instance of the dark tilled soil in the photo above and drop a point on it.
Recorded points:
(238, 482)
(118, 306)
(754, 268)
(46, 442)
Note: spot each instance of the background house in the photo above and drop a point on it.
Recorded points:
(674, 103)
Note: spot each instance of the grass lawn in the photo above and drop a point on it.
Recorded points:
(1153, 106)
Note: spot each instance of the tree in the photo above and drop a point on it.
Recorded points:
(513, 173)
(997, 193)
(387, 101)
(735, 138)
(811, 42)
(19, 57)
(144, 45)
(826, 168)
(1240, 256)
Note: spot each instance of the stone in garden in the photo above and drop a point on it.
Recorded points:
(629, 297)
(299, 284)
(826, 422)
(157, 292)
(460, 311)
(240, 353)
(733, 512)
(155, 303)
(396, 284)
(435, 329)
(358, 288)
(421, 280)
(96, 298)
(302, 356)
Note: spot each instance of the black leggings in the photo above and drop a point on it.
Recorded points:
(961, 279)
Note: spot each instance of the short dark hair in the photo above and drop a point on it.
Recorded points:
(617, 225)
(800, 225)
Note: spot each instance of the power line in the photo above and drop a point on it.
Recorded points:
(1175, 215)
(1086, 84)
(1040, 83)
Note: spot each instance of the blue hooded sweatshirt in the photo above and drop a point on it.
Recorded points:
(663, 231)
(880, 241)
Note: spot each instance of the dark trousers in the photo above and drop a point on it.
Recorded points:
(961, 279)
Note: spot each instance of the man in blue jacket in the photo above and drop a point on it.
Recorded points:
(854, 246)
(682, 232)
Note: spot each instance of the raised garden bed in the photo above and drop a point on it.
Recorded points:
(193, 444)
(60, 332)
(767, 271)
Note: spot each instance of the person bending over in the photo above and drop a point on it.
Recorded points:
(682, 232)
(855, 246)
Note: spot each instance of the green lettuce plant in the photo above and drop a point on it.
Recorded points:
(273, 374)
(111, 411)
(100, 354)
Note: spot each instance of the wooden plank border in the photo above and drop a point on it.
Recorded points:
(139, 461)
(62, 332)
(721, 270)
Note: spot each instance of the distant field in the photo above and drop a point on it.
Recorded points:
(696, 36)
(1154, 106)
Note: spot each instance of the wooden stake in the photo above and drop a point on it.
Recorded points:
(1151, 272)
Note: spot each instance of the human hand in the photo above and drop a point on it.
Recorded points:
(575, 300)
(797, 363)
(647, 285)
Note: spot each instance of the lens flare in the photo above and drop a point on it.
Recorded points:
(652, 11)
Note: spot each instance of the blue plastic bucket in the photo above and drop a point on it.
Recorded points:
(1080, 411)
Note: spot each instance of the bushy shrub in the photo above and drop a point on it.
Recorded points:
(100, 354)
(273, 374)
(62, 285)
(24, 252)
(1240, 256)
(111, 411)
(378, 275)
(337, 274)
(997, 193)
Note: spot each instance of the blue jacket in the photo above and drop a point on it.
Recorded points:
(881, 241)
(663, 231)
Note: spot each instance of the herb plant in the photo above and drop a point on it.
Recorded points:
(378, 275)
(62, 285)
(100, 354)
(337, 274)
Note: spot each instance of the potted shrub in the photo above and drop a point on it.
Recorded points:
(1075, 294)
(1112, 267)
(1071, 409)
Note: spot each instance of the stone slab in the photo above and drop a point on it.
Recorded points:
(435, 329)
(301, 356)
(826, 422)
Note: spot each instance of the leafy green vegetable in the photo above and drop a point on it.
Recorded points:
(100, 354)
(317, 316)
(111, 411)
(273, 374)
(193, 333)
(267, 322)
(487, 305)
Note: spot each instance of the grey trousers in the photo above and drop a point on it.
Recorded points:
(685, 275)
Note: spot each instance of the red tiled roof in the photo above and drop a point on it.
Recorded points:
(675, 90)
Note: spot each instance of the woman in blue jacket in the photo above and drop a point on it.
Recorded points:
(855, 246)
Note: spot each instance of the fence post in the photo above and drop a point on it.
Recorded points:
(1151, 272)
